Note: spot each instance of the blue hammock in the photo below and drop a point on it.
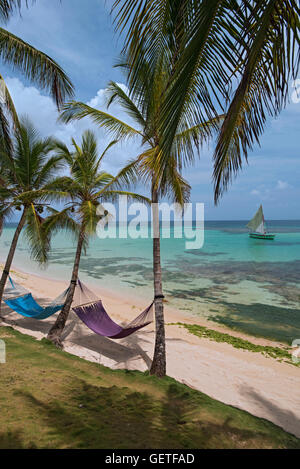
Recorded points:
(29, 308)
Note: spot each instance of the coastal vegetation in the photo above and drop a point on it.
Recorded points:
(279, 353)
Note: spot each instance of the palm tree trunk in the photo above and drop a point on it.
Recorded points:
(11, 254)
(56, 331)
(158, 367)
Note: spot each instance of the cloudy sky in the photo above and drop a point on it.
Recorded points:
(79, 36)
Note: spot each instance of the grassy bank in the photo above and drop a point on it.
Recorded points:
(50, 399)
(280, 354)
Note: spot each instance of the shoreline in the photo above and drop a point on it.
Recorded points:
(263, 386)
(111, 298)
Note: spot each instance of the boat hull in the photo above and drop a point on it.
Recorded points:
(262, 236)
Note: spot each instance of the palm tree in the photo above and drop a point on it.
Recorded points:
(86, 188)
(26, 185)
(169, 182)
(232, 56)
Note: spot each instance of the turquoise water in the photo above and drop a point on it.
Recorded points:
(246, 284)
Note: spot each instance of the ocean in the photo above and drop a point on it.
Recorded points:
(245, 284)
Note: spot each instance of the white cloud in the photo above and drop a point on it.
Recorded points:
(263, 192)
(42, 111)
(267, 193)
(255, 192)
(282, 185)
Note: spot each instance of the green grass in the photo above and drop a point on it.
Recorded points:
(51, 399)
(281, 354)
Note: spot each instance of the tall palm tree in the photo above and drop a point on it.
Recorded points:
(233, 56)
(86, 188)
(169, 182)
(26, 185)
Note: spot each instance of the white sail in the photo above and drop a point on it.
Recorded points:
(257, 224)
(261, 228)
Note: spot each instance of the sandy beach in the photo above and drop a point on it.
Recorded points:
(260, 385)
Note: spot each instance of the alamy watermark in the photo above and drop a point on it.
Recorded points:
(137, 220)
(2, 352)
(296, 352)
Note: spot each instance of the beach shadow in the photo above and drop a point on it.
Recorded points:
(26, 323)
(281, 417)
(121, 353)
(69, 328)
(14, 440)
(134, 342)
(36, 325)
(96, 417)
(179, 406)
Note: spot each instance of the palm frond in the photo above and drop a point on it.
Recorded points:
(6, 211)
(103, 180)
(37, 237)
(61, 220)
(174, 186)
(48, 171)
(206, 60)
(109, 146)
(7, 102)
(189, 141)
(111, 195)
(89, 217)
(115, 93)
(127, 177)
(272, 59)
(77, 111)
(8, 8)
(147, 39)
(63, 151)
(37, 66)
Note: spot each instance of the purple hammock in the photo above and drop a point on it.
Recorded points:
(96, 318)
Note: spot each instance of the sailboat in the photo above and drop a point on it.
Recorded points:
(258, 226)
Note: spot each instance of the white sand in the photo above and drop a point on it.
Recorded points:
(262, 386)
